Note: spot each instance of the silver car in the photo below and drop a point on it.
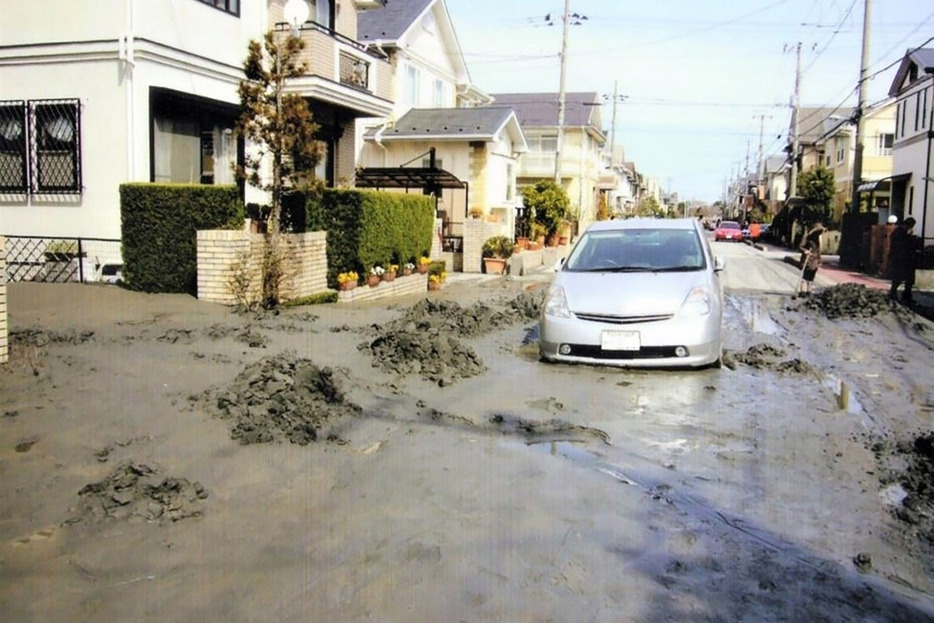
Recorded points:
(636, 293)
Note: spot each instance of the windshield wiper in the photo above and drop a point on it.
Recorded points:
(615, 269)
(675, 269)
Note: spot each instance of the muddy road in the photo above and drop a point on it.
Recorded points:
(165, 459)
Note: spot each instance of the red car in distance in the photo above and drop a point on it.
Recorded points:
(728, 230)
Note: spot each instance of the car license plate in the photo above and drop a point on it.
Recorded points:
(620, 340)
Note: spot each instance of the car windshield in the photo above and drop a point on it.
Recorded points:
(637, 250)
(729, 225)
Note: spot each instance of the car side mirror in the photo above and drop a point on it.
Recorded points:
(718, 264)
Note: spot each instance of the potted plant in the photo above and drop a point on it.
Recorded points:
(423, 263)
(376, 275)
(390, 273)
(407, 269)
(348, 280)
(475, 212)
(435, 281)
(496, 250)
(550, 207)
(538, 236)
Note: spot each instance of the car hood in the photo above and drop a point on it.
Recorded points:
(629, 294)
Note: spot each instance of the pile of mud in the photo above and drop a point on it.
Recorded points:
(766, 357)
(283, 398)
(423, 340)
(137, 491)
(849, 300)
(917, 480)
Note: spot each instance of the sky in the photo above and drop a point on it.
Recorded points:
(698, 82)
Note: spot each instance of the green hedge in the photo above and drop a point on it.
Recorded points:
(367, 227)
(159, 225)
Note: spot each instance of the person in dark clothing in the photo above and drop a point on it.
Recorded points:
(903, 259)
(811, 260)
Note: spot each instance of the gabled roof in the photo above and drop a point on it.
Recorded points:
(390, 22)
(541, 109)
(482, 123)
(813, 123)
(921, 60)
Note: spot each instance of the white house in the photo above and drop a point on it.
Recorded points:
(97, 93)
(913, 151)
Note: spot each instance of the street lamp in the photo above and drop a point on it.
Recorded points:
(296, 14)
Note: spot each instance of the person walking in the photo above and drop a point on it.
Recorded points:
(811, 259)
(903, 259)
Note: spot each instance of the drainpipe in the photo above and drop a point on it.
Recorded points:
(927, 173)
(126, 54)
(377, 138)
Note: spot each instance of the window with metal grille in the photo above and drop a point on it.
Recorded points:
(40, 146)
(55, 142)
(14, 173)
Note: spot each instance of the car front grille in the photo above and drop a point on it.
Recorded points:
(646, 352)
(609, 319)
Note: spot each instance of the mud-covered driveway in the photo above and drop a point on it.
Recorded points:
(164, 459)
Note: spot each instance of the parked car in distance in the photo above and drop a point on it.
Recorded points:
(728, 230)
(636, 293)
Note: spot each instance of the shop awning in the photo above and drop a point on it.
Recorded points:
(882, 185)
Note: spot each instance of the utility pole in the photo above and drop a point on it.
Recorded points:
(861, 103)
(760, 168)
(561, 91)
(793, 184)
(613, 122)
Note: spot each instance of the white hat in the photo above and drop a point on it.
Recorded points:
(893, 219)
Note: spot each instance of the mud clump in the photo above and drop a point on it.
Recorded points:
(766, 357)
(849, 300)
(424, 340)
(426, 352)
(917, 480)
(283, 398)
(136, 491)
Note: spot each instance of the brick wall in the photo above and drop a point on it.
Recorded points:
(400, 286)
(4, 344)
(221, 253)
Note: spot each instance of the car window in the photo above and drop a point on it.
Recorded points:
(637, 250)
(729, 225)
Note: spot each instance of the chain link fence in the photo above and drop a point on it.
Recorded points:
(62, 260)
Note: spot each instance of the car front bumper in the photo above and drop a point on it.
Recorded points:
(575, 340)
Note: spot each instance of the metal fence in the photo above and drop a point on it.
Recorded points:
(61, 260)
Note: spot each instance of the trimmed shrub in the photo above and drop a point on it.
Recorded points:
(367, 227)
(159, 225)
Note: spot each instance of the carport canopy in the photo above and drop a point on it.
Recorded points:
(406, 177)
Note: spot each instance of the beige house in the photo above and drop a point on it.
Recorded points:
(581, 150)
(838, 148)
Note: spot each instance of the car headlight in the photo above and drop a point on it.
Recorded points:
(556, 303)
(697, 302)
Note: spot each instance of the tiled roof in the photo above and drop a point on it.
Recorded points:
(390, 22)
(484, 121)
(541, 109)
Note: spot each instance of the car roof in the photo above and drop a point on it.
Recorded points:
(644, 223)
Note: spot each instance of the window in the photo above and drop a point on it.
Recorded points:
(426, 163)
(547, 143)
(840, 148)
(924, 108)
(40, 147)
(322, 12)
(510, 183)
(411, 85)
(228, 6)
(13, 171)
(438, 93)
(884, 143)
(917, 108)
(904, 114)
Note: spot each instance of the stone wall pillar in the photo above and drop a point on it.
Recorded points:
(478, 183)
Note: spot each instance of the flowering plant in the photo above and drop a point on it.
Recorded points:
(439, 278)
(409, 266)
(393, 268)
(424, 260)
(377, 270)
(347, 277)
